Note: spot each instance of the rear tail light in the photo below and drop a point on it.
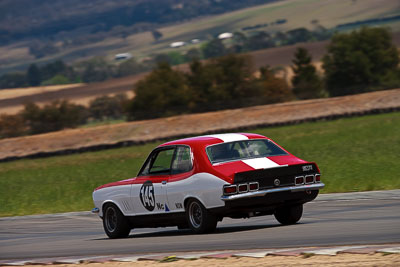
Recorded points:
(309, 179)
(230, 189)
(318, 177)
(243, 188)
(253, 186)
(299, 180)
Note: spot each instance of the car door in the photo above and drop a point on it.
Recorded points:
(179, 184)
(149, 192)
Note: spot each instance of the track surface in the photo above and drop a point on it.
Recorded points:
(335, 219)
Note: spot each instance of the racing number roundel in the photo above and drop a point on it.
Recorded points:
(147, 195)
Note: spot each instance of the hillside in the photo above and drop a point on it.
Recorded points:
(11, 103)
(28, 36)
(25, 19)
(136, 132)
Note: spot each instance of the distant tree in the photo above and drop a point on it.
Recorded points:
(240, 42)
(280, 38)
(157, 35)
(298, 35)
(231, 76)
(306, 82)
(175, 58)
(107, 107)
(33, 75)
(97, 69)
(13, 80)
(359, 61)
(193, 54)
(163, 92)
(52, 117)
(160, 58)
(200, 81)
(223, 82)
(273, 89)
(214, 48)
(52, 69)
(12, 126)
(129, 67)
(260, 40)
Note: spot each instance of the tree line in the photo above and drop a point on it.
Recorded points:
(58, 115)
(356, 62)
(55, 73)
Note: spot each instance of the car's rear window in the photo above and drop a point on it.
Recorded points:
(246, 149)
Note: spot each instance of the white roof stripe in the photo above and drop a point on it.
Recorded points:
(231, 137)
(260, 163)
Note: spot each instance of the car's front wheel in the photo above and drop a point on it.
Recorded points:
(200, 220)
(289, 214)
(114, 222)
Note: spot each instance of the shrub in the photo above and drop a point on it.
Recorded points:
(53, 117)
(107, 107)
(12, 126)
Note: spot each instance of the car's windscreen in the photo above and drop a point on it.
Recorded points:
(243, 150)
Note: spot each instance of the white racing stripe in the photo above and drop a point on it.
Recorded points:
(229, 137)
(260, 163)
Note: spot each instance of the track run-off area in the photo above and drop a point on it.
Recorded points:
(365, 218)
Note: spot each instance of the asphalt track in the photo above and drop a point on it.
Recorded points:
(335, 219)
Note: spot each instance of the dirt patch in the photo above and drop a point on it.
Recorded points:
(129, 133)
(18, 92)
(79, 94)
(341, 260)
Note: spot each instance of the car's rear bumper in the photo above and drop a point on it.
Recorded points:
(263, 192)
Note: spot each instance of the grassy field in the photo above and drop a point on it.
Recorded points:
(355, 154)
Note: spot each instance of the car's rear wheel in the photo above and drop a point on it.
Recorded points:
(199, 219)
(115, 223)
(289, 214)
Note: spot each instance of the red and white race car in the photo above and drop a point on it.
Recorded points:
(196, 182)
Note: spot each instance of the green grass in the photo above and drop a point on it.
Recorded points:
(356, 154)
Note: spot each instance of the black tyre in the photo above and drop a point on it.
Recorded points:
(115, 223)
(199, 219)
(289, 214)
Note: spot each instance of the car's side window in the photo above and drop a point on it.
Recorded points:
(159, 163)
(182, 161)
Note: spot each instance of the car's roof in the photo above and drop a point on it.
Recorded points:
(206, 140)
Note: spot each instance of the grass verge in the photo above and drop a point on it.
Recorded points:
(355, 154)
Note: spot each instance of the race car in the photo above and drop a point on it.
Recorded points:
(196, 182)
